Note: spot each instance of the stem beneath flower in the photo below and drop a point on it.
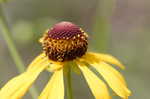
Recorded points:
(69, 84)
(12, 49)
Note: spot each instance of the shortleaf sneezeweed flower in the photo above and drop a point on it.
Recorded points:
(62, 44)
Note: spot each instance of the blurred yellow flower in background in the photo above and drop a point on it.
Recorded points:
(62, 44)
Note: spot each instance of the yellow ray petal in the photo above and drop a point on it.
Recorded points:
(110, 69)
(18, 86)
(54, 67)
(22, 90)
(55, 87)
(105, 58)
(114, 79)
(42, 62)
(39, 58)
(98, 87)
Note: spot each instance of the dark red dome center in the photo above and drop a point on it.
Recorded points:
(64, 30)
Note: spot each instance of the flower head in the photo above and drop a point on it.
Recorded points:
(65, 42)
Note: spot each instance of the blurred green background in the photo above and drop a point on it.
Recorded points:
(117, 27)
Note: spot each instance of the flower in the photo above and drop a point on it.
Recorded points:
(62, 44)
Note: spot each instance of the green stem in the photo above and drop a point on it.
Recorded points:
(12, 49)
(69, 84)
(102, 26)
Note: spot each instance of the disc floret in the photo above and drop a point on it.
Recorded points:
(64, 41)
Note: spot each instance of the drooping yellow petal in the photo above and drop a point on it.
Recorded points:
(114, 79)
(103, 57)
(110, 69)
(18, 86)
(45, 59)
(97, 86)
(55, 87)
(39, 58)
(54, 67)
